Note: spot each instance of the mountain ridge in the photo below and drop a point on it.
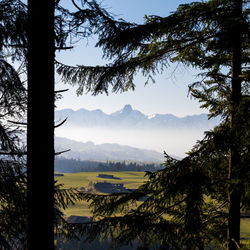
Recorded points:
(129, 117)
(105, 151)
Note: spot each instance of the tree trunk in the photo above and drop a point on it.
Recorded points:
(40, 130)
(233, 236)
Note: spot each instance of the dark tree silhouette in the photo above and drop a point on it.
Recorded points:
(43, 203)
(198, 34)
(40, 129)
(212, 36)
(234, 170)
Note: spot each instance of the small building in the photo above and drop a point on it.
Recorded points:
(106, 187)
(58, 174)
(74, 219)
(245, 214)
(107, 176)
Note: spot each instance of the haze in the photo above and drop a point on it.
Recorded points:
(174, 142)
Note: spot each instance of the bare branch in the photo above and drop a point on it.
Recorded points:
(61, 90)
(61, 152)
(64, 48)
(74, 3)
(13, 153)
(18, 123)
(61, 123)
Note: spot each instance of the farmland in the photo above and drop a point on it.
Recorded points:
(130, 180)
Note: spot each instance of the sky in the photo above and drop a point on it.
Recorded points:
(169, 94)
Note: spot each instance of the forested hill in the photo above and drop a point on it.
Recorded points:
(107, 151)
(63, 165)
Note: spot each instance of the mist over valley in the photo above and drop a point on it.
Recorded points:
(158, 132)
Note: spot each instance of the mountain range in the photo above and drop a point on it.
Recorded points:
(131, 118)
(107, 132)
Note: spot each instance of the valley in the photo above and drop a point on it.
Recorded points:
(130, 128)
(130, 180)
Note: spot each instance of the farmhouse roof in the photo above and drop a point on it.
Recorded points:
(74, 219)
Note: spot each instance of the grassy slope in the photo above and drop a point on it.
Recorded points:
(129, 179)
(78, 180)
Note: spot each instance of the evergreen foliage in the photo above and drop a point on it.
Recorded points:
(193, 32)
(13, 106)
(73, 166)
(13, 177)
(13, 101)
(187, 202)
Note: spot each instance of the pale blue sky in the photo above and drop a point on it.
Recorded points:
(167, 95)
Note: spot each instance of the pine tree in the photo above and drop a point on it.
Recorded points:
(40, 126)
(20, 42)
(185, 204)
(13, 171)
(212, 36)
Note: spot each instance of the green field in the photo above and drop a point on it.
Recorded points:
(78, 180)
(129, 179)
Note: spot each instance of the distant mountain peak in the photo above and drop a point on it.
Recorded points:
(151, 116)
(127, 108)
(128, 117)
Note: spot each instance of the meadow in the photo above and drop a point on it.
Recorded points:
(130, 180)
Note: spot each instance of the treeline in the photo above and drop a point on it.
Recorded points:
(64, 165)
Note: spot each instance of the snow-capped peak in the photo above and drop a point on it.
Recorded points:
(151, 116)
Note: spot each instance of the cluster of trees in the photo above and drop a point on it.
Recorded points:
(30, 200)
(73, 166)
(192, 203)
(195, 202)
